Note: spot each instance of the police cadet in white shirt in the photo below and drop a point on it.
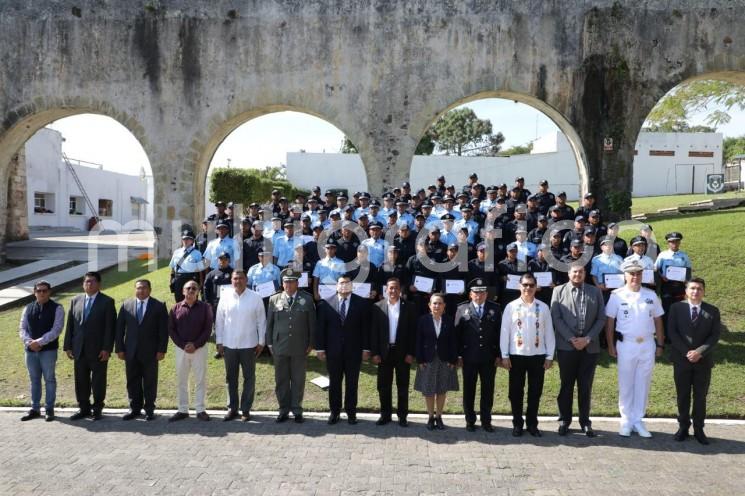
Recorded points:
(635, 318)
(240, 327)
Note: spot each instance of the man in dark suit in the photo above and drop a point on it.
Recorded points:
(89, 340)
(693, 327)
(141, 341)
(342, 341)
(578, 315)
(393, 345)
(477, 324)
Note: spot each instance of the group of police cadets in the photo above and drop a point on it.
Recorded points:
(505, 232)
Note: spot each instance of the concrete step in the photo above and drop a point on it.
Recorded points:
(24, 291)
(30, 269)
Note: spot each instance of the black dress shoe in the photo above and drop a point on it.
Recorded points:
(131, 415)
(178, 416)
(352, 419)
(588, 431)
(487, 427)
(49, 415)
(80, 414)
(150, 416)
(282, 417)
(700, 436)
(204, 416)
(246, 417)
(470, 427)
(299, 418)
(382, 420)
(517, 431)
(681, 434)
(431, 424)
(439, 423)
(534, 431)
(403, 422)
(32, 414)
(97, 415)
(230, 415)
(333, 419)
(563, 429)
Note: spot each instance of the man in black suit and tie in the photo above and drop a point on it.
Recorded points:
(693, 327)
(89, 340)
(141, 340)
(477, 324)
(342, 341)
(393, 346)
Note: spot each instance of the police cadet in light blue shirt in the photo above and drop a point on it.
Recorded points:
(403, 215)
(449, 203)
(364, 207)
(329, 268)
(264, 271)
(447, 233)
(190, 264)
(605, 263)
(471, 225)
(221, 244)
(374, 214)
(388, 204)
(376, 246)
(672, 291)
(284, 247)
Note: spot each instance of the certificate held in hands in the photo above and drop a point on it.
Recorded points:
(454, 286)
(265, 289)
(676, 273)
(543, 279)
(613, 281)
(513, 281)
(424, 284)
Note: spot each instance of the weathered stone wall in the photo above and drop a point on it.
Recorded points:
(182, 74)
(17, 226)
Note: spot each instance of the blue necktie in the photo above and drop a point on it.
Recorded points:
(87, 307)
(140, 306)
(343, 310)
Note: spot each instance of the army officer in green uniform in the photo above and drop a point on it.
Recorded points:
(290, 326)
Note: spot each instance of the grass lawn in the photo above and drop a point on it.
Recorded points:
(651, 204)
(710, 240)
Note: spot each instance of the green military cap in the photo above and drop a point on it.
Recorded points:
(290, 274)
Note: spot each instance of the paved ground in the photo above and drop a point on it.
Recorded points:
(261, 457)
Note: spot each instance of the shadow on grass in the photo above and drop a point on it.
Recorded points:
(455, 433)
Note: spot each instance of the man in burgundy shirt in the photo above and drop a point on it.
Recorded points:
(190, 325)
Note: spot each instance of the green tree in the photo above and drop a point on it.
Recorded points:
(426, 145)
(518, 150)
(347, 146)
(674, 109)
(733, 146)
(460, 131)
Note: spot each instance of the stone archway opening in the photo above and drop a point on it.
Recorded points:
(295, 145)
(45, 189)
(691, 133)
(528, 138)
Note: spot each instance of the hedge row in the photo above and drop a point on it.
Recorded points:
(247, 185)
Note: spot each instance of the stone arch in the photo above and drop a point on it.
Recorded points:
(552, 113)
(204, 147)
(649, 100)
(21, 123)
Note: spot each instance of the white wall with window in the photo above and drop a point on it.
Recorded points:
(51, 187)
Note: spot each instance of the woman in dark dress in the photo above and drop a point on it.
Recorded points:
(437, 355)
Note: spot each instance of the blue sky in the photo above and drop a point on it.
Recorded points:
(265, 140)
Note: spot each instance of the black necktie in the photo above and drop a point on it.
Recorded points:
(291, 300)
(694, 314)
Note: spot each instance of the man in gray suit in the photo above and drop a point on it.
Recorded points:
(693, 327)
(89, 340)
(578, 315)
(290, 330)
(141, 341)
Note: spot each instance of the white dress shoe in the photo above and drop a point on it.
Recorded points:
(624, 431)
(642, 430)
